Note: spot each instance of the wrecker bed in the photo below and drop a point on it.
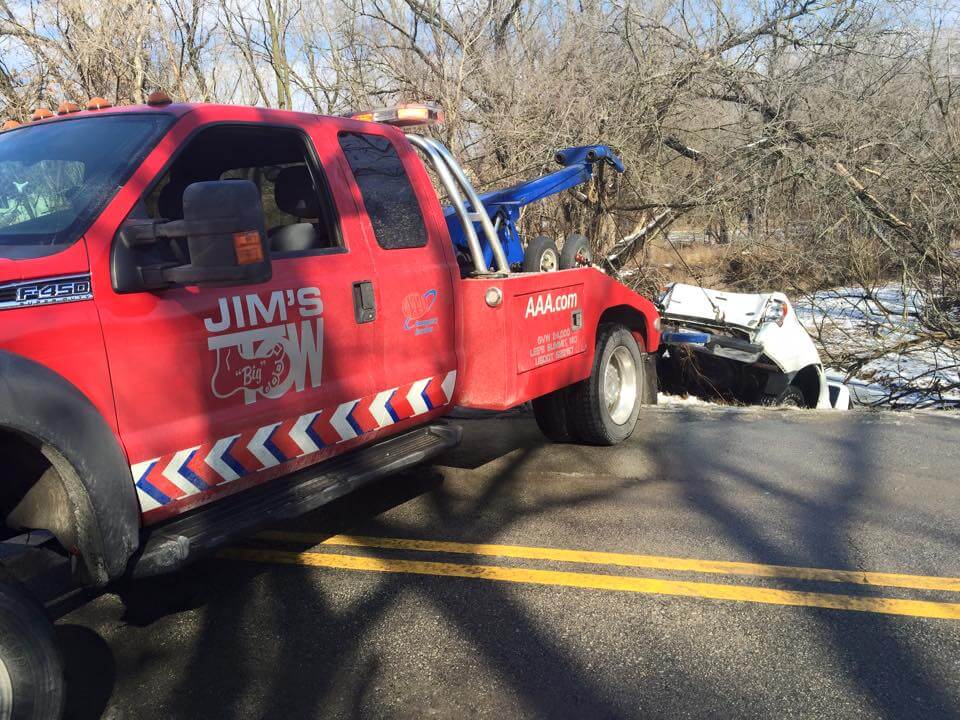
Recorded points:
(541, 333)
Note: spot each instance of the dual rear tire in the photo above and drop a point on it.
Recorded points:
(603, 408)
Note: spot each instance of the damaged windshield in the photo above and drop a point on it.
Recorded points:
(55, 178)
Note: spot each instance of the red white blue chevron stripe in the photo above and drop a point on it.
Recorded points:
(185, 473)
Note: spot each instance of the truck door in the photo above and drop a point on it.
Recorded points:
(219, 388)
(414, 264)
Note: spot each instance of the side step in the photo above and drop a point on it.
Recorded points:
(169, 546)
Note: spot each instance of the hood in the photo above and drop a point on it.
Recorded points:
(10, 271)
(715, 307)
(68, 263)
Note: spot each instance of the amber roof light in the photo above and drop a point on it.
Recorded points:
(67, 107)
(98, 103)
(407, 115)
(158, 99)
(41, 114)
(10, 125)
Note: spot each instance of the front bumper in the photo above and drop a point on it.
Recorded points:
(724, 346)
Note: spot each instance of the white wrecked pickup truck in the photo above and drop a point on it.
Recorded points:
(741, 347)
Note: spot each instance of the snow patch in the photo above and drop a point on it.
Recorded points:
(908, 372)
(665, 399)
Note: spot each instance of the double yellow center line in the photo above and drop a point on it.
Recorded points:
(598, 581)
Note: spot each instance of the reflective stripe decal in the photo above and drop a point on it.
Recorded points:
(201, 468)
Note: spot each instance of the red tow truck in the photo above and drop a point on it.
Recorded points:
(215, 317)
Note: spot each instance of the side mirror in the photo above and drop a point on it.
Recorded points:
(226, 235)
(226, 239)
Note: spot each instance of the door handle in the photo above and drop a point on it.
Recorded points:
(364, 307)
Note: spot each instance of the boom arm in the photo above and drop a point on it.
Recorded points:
(503, 206)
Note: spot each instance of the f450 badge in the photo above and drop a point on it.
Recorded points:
(267, 348)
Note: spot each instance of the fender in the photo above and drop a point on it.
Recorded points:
(42, 405)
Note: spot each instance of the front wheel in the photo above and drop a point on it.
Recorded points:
(31, 671)
(604, 407)
(791, 396)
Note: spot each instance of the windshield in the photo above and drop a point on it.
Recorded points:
(55, 178)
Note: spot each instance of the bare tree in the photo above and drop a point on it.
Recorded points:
(817, 139)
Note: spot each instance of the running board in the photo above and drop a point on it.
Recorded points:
(173, 544)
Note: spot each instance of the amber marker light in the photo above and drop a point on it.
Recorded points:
(159, 99)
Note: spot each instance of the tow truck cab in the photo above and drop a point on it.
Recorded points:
(264, 309)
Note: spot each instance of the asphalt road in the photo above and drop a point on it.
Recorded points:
(506, 623)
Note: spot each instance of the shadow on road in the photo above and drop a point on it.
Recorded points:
(315, 658)
(89, 670)
(874, 650)
(319, 660)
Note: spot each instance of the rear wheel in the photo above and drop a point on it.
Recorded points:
(550, 412)
(541, 255)
(604, 407)
(31, 671)
(576, 252)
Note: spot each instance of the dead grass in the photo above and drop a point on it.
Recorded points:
(695, 263)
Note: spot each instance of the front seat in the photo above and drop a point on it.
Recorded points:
(295, 195)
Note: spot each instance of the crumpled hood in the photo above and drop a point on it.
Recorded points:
(743, 310)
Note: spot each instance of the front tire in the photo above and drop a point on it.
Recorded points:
(31, 670)
(541, 255)
(791, 396)
(604, 407)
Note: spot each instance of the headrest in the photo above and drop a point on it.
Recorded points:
(293, 238)
(170, 202)
(295, 193)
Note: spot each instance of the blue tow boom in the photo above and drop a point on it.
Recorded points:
(503, 206)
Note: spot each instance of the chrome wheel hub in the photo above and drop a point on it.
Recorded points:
(620, 385)
(549, 261)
